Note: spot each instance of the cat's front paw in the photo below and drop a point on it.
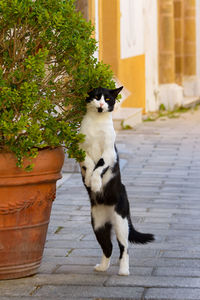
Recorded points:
(87, 180)
(96, 183)
(87, 177)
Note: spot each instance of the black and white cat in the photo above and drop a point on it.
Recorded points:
(101, 176)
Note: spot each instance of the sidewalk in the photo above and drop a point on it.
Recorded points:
(161, 169)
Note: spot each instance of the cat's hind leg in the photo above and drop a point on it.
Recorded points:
(102, 230)
(122, 231)
(103, 236)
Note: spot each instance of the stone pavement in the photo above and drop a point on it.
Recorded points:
(161, 170)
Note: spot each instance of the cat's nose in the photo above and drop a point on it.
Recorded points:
(101, 104)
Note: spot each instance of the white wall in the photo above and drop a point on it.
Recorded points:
(131, 28)
(151, 54)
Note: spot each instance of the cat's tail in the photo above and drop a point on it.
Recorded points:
(138, 237)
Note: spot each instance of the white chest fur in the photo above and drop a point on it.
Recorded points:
(99, 134)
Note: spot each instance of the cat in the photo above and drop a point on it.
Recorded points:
(101, 176)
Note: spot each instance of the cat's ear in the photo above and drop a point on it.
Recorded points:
(90, 96)
(115, 92)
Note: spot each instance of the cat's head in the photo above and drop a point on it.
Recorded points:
(102, 100)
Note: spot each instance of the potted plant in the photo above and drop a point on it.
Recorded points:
(46, 70)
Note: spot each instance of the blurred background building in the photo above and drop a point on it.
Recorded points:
(153, 47)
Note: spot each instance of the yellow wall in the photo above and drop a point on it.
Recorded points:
(177, 40)
(189, 37)
(132, 75)
(109, 34)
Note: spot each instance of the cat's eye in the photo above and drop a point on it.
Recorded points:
(96, 97)
(107, 99)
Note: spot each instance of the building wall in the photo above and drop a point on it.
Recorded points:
(178, 56)
(132, 58)
(131, 28)
(132, 75)
(151, 54)
(153, 47)
(122, 50)
(198, 37)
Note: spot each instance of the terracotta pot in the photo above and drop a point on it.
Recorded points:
(25, 206)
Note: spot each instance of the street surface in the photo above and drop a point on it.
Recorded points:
(160, 164)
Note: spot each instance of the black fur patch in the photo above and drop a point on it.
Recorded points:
(107, 93)
(103, 236)
(100, 109)
(122, 207)
(121, 248)
(104, 171)
(100, 163)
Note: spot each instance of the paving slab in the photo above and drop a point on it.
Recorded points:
(90, 292)
(160, 164)
(172, 294)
